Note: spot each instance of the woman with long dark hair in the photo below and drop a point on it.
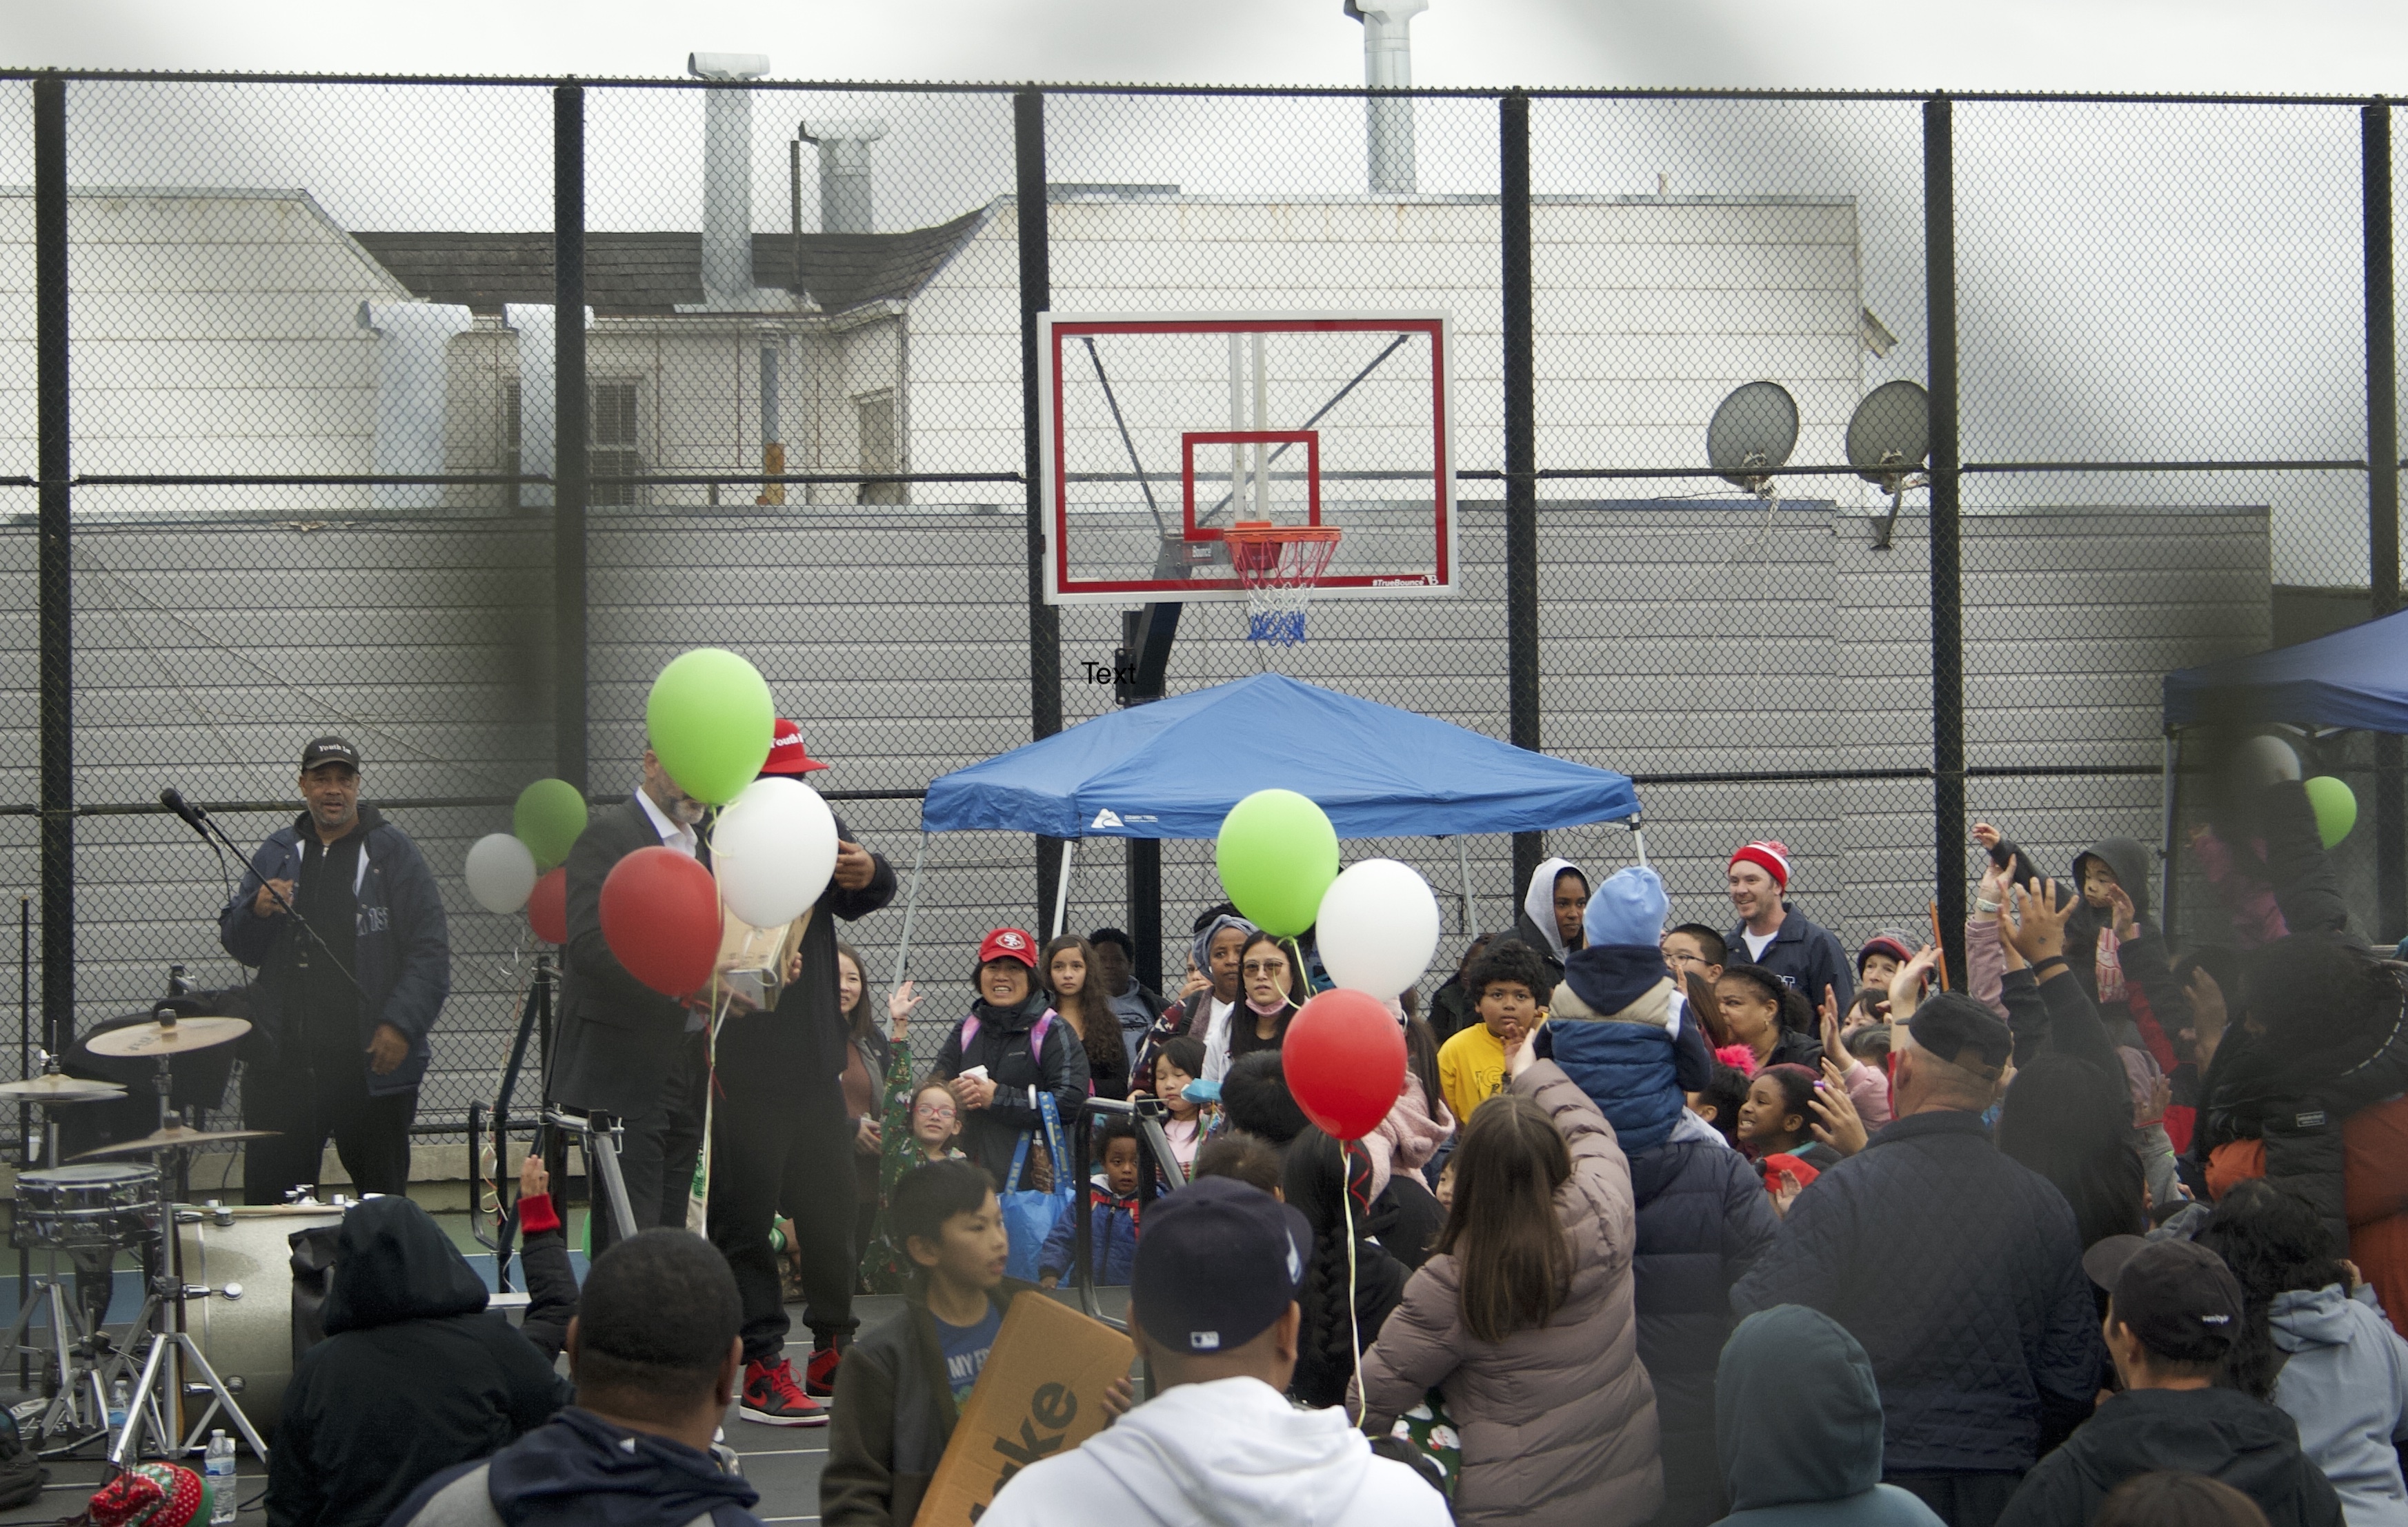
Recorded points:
(1318, 1176)
(1522, 1319)
(2072, 1123)
(1069, 964)
(1270, 989)
(2314, 1344)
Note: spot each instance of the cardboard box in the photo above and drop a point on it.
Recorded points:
(1041, 1394)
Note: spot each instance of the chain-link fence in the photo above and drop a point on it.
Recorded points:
(294, 438)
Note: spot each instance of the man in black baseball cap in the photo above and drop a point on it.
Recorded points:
(2173, 1316)
(1212, 1305)
(341, 916)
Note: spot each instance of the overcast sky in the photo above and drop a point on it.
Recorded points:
(2344, 45)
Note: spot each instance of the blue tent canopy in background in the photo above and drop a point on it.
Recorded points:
(1175, 767)
(2356, 679)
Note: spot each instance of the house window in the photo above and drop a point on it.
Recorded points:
(879, 452)
(616, 448)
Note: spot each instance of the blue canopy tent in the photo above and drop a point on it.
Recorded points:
(2356, 679)
(1175, 767)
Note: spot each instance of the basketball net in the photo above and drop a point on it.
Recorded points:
(1278, 566)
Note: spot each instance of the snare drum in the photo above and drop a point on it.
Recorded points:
(95, 1203)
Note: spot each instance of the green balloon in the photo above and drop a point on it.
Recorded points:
(712, 721)
(1277, 854)
(549, 816)
(2336, 808)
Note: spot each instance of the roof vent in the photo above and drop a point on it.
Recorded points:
(1388, 64)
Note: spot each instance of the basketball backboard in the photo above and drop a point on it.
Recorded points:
(1158, 432)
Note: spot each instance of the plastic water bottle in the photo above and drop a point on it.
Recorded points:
(121, 1400)
(219, 1470)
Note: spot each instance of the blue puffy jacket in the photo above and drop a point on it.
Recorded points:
(1703, 1216)
(401, 956)
(1112, 1238)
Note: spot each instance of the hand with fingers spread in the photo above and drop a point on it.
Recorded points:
(899, 1003)
(2040, 923)
(1520, 1054)
(1787, 1193)
(1906, 987)
(1837, 1123)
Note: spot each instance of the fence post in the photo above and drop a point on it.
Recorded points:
(1947, 554)
(1521, 453)
(1036, 296)
(2382, 502)
(55, 572)
(573, 425)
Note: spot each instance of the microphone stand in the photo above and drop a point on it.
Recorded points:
(206, 825)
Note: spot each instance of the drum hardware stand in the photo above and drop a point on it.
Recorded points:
(81, 1360)
(598, 1135)
(159, 1393)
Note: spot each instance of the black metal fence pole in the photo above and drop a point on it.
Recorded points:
(1947, 555)
(54, 576)
(1521, 453)
(2382, 502)
(1036, 296)
(572, 430)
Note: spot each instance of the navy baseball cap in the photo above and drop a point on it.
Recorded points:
(1219, 1262)
(2177, 1296)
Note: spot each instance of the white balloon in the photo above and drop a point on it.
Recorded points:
(501, 873)
(773, 850)
(2264, 760)
(1378, 928)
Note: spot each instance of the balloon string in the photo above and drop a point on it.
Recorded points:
(1353, 1314)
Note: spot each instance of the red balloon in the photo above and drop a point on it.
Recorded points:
(546, 907)
(660, 916)
(1344, 1056)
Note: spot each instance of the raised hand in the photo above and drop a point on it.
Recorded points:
(1906, 987)
(899, 1003)
(2041, 919)
(1829, 1010)
(1837, 1123)
(1788, 1194)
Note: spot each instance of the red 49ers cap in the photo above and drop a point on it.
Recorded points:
(1008, 944)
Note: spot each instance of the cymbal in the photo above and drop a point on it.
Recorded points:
(174, 1137)
(141, 1040)
(55, 1089)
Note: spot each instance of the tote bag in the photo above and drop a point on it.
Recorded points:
(1030, 1216)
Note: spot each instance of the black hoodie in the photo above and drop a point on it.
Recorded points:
(1056, 1063)
(2220, 1433)
(415, 1375)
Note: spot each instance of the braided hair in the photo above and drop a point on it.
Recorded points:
(1315, 1181)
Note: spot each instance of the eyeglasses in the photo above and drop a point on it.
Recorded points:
(1686, 959)
(932, 1110)
(1257, 967)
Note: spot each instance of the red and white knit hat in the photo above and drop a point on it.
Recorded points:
(1769, 856)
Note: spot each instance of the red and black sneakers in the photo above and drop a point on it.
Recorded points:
(819, 1374)
(773, 1398)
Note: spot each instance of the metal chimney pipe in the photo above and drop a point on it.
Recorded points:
(1388, 64)
(844, 171)
(727, 177)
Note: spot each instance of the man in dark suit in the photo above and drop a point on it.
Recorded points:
(779, 1117)
(624, 1048)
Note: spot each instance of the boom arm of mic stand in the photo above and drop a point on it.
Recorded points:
(292, 911)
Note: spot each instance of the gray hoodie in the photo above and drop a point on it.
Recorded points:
(1797, 1424)
(2346, 1386)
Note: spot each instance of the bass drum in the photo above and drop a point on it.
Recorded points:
(249, 1338)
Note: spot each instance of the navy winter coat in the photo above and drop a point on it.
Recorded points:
(1960, 1272)
(402, 955)
(1806, 956)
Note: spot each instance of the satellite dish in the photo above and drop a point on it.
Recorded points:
(1752, 434)
(1890, 433)
(1888, 437)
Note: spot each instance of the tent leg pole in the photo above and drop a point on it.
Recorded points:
(1638, 840)
(1463, 872)
(911, 904)
(2166, 838)
(1062, 889)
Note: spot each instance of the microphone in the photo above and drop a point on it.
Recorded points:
(173, 799)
